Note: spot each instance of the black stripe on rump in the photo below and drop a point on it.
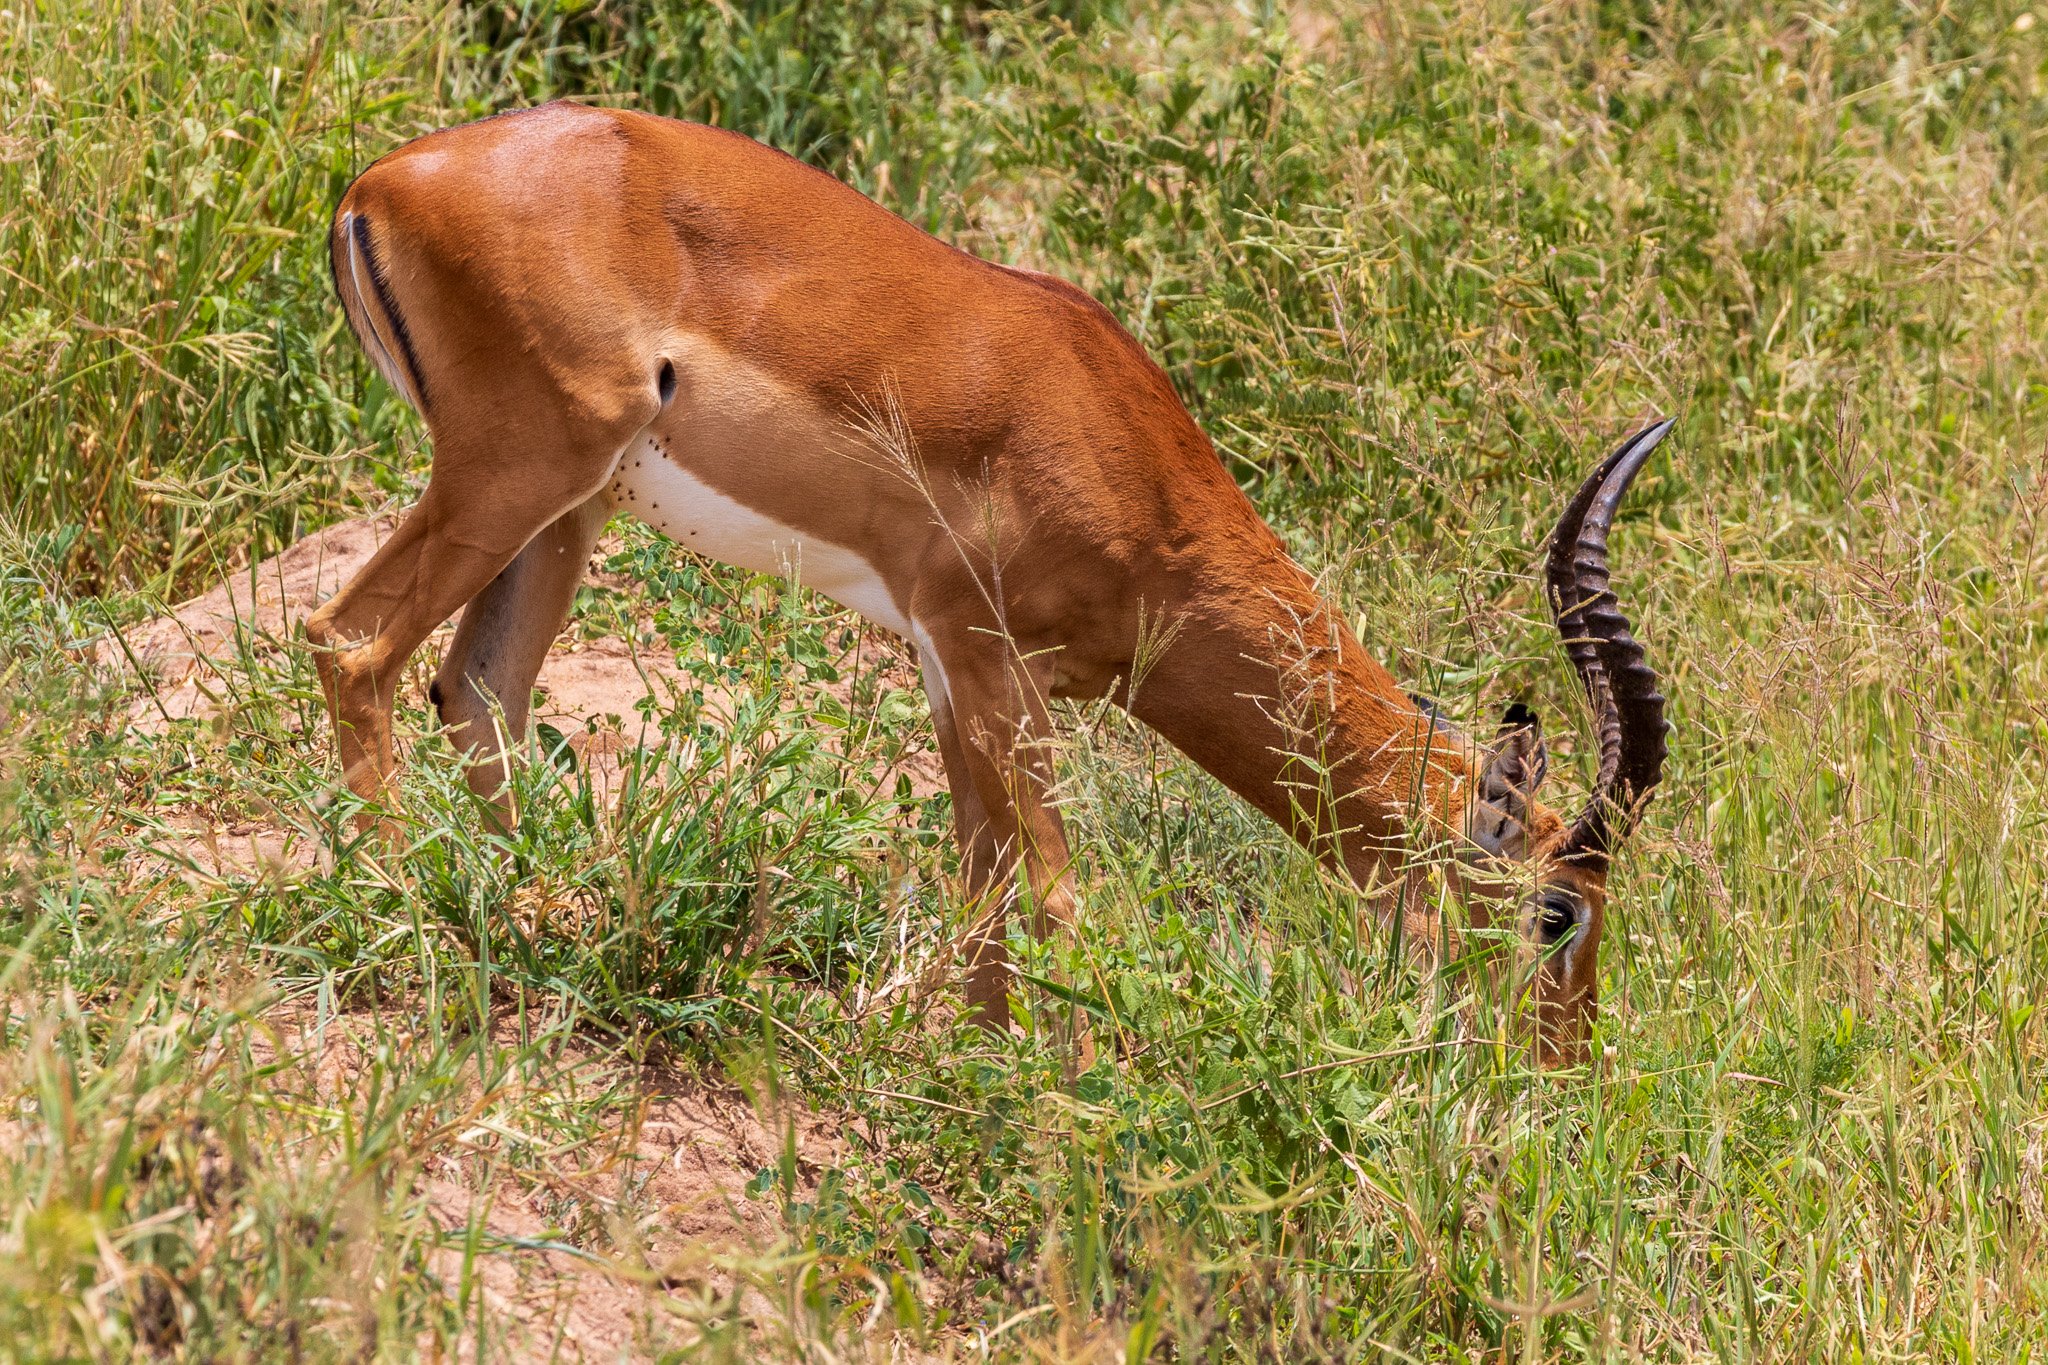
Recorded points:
(382, 286)
(334, 245)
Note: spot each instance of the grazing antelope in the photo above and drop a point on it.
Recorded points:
(596, 311)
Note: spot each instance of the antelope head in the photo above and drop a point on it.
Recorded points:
(1565, 867)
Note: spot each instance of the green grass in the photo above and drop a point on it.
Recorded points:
(1411, 266)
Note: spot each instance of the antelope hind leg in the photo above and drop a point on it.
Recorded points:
(459, 538)
(486, 680)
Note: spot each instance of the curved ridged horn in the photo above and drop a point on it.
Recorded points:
(1628, 710)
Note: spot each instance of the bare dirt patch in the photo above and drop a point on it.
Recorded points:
(678, 1236)
(635, 1238)
(191, 661)
(205, 657)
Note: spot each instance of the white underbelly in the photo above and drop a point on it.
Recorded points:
(691, 512)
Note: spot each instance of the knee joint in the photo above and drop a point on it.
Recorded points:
(320, 631)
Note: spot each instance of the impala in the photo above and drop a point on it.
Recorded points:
(597, 311)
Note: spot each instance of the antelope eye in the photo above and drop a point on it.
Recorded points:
(1557, 915)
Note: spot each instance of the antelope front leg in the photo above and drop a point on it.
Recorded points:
(994, 733)
(984, 862)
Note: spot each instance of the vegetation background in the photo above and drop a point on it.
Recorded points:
(1412, 265)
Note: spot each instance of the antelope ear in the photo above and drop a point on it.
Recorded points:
(1519, 761)
(1515, 767)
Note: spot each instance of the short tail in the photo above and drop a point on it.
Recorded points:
(365, 290)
